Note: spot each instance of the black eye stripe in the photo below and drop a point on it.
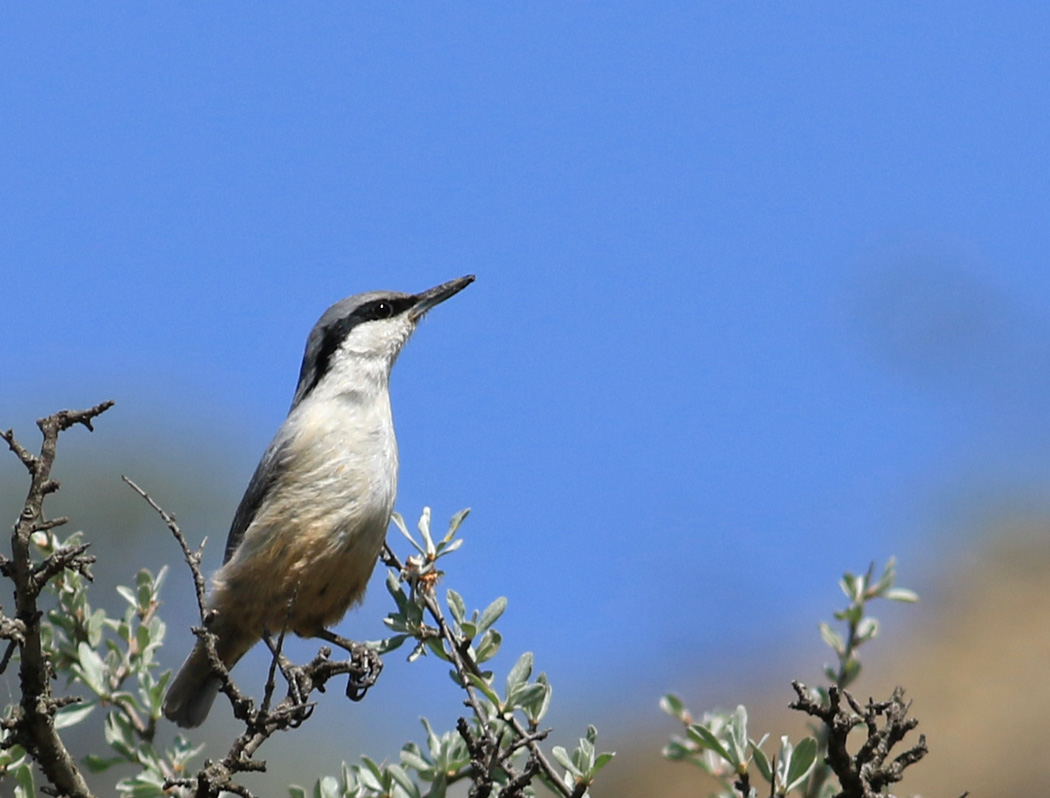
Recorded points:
(379, 309)
(333, 336)
(334, 333)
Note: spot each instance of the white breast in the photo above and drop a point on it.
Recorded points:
(343, 463)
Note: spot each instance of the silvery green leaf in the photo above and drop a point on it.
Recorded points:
(424, 530)
(326, 787)
(448, 548)
(24, 782)
(371, 775)
(399, 522)
(94, 627)
(600, 761)
(876, 588)
(675, 750)
(349, 775)
(832, 638)
(387, 645)
(901, 594)
(852, 614)
(183, 750)
(738, 734)
(145, 591)
(295, 791)
(92, 669)
(119, 735)
(97, 764)
(417, 652)
(673, 706)
(583, 756)
(456, 605)
(396, 623)
(398, 774)
(802, 761)
(433, 741)
(492, 613)
(562, 757)
(520, 672)
(703, 735)
(761, 761)
(142, 637)
(489, 645)
(485, 688)
(454, 524)
(142, 786)
(538, 709)
(867, 629)
(526, 694)
(853, 586)
(393, 586)
(72, 714)
(413, 760)
(786, 750)
(127, 594)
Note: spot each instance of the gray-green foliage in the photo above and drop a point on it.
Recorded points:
(497, 748)
(108, 665)
(719, 742)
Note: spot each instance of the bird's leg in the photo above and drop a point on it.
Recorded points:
(365, 661)
(336, 640)
(288, 669)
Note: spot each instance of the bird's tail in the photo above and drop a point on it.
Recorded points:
(193, 691)
(191, 695)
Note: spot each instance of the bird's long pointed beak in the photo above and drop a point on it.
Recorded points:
(438, 294)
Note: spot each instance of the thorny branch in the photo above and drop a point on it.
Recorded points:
(868, 772)
(362, 668)
(485, 752)
(32, 725)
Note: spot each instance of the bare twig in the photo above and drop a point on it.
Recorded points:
(33, 725)
(193, 556)
(515, 788)
(6, 660)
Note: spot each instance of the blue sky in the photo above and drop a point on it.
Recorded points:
(761, 290)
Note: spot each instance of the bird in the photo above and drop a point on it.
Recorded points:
(307, 534)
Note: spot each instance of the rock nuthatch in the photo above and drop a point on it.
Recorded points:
(311, 524)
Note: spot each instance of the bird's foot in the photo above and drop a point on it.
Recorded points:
(364, 662)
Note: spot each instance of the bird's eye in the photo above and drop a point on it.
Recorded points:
(384, 310)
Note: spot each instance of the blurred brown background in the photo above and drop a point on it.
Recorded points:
(973, 658)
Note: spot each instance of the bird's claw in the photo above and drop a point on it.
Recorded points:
(367, 667)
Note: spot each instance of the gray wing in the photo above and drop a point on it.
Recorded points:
(261, 483)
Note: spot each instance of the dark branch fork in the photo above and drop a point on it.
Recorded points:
(868, 772)
(32, 725)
